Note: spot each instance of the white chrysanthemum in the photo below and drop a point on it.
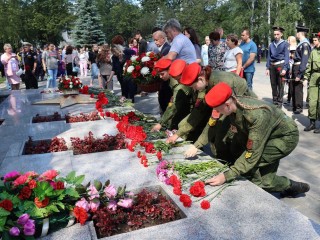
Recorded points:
(71, 86)
(144, 71)
(130, 69)
(145, 59)
(133, 58)
(148, 54)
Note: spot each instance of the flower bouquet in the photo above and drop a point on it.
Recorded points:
(141, 70)
(70, 85)
(29, 201)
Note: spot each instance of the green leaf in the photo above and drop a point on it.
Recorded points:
(52, 208)
(3, 212)
(107, 183)
(71, 176)
(60, 205)
(2, 223)
(97, 184)
(72, 192)
(78, 180)
(42, 190)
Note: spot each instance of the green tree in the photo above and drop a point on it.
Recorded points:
(88, 26)
(310, 10)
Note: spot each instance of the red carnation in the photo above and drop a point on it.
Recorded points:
(199, 184)
(159, 155)
(186, 200)
(174, 181)
(108, 114)
(139, 154)
(177, 190)
(59, 185)
(154, 73)
(197, 191)
(32, 184)
(205, 204)
(138, 67)
(6, 204)
(41, 204)
(25, 193)
(91, 95)
(80, 214)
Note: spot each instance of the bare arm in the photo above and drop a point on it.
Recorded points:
(171, 56)
(239, 62)
(250, 60)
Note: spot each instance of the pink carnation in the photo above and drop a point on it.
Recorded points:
(83, 204)
(93, 192)
(110, 191)
(11, 175)
(30, 174)
(20, 180)
(49, 175)
(126, 203)
(94, 205)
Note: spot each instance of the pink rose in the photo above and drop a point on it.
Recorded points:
(83, 204)
(112, 205)
(94, 205)
(126, 203)
(110, 191)
(20, 180)
(93, 192)
(49, 175)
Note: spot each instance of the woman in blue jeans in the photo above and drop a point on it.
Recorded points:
(50, 60)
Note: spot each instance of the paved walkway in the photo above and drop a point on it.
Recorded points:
(303, 164)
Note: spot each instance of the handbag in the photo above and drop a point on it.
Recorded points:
(75, 69)
(20, 72)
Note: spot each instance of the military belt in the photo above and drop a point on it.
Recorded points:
(276, 63)
(297, 63)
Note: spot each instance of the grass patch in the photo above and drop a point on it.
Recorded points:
(2, 79)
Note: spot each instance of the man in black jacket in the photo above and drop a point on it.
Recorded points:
(165, 92)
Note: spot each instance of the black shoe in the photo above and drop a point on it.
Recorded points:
(298, 111)
(317, 130)
(312, 126)
(295, 189)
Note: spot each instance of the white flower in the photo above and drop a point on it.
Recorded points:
(130, 69)
(71, 86)
(133, 58)
(145, 59)
(148, 53)
(144, 71)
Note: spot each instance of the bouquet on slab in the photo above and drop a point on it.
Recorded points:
(141, 68)
(67, 84)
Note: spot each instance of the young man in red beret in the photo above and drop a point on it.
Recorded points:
(271, 135)
(180, 102)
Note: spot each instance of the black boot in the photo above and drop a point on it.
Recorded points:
(312, 126)
(295, 189)
(317, 130)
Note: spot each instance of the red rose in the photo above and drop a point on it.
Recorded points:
(6, 204)
(154, 73)
(138, 67)
(177, 190)
(197, 191)
(80, 214)
(159, 155)
(186, 200)
(41, 204)
(32, 184)
(59, 185)
(205, 204)
(25, 193)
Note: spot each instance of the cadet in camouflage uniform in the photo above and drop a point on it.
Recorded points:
(181, 101)
(300, 59)
(203, 81)
(312, 75)
(271, 136)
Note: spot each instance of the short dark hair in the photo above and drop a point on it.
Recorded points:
(233, 37)
(137, 32)
(214, 36)
(247, 31)
(69, 49)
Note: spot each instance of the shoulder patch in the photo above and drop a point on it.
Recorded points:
(212, 122)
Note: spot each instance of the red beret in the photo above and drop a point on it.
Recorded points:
(190, 74)
(218, 95)
(177, 67)
(162, 64)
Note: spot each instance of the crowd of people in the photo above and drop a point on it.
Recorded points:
(207, 92)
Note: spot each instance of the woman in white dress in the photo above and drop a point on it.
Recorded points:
(233, 57)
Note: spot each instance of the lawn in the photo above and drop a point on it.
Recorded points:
(2, 79)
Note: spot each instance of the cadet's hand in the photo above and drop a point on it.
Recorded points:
(172, 139)
(297, 79)
(283, 72)
(156, 127)
(191, 152)
(217, 180)
(267, 72)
